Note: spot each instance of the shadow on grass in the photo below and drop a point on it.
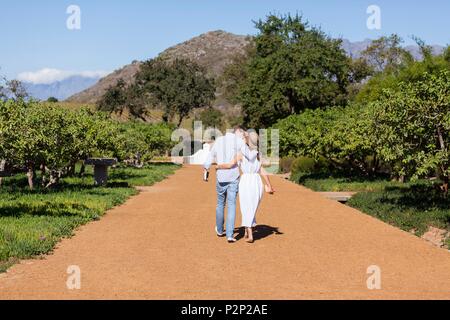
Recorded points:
(421, 197)
(44, 208)
(342, 176)
(126, 175)
(75, 184)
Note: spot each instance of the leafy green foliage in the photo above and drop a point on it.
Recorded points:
(38, 136)
(337, 134)
(52, 100)
(212, 118)
(142, 141)
(122, 97)
(35, 135)
(386, 54)
(12, 89)
(412, 125)
(235, 74)
(407, 70)
(178, 86)
(295, 67)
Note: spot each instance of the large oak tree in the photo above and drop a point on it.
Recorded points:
(294, 67)
(178, 86)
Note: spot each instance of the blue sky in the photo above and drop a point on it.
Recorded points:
(115, 32)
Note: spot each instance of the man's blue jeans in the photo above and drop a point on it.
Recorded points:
(226, 192)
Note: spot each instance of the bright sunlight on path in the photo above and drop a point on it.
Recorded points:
(161, 244)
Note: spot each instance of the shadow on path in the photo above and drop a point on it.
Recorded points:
(259, 232)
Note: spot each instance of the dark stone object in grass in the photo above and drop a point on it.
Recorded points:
(101, 169)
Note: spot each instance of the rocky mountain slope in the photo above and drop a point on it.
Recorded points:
(212, 50)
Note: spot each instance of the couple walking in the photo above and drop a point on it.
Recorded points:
(233, 153)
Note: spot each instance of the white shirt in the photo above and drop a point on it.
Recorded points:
(224, 150)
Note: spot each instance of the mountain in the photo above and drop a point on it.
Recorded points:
(212, 50)
(354, 49)
(60, 89)
(93, 93)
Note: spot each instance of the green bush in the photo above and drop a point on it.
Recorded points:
(304, 165)
(338, 135)
(286, 164)
(142, 142)
(211, 118)
(47, 137)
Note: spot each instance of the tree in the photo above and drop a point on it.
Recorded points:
(140, 142)
(295, 67)
(337, 134)
(121, 97)
(386, 54)
(38, 136)
(12, 89)
(412, 124)
(360, 71)
(211, 118)
(409, 71)
(235, 73)
(178, 86)
(52, 100)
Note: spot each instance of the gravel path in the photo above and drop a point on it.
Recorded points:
(161, 245)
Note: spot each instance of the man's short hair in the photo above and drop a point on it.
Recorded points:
(238, 128)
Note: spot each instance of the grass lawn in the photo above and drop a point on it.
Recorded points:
(32, 222)
(409, 206)
(336, 183)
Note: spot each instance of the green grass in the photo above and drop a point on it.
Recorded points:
(32, 222)
(322, 182)
(408, 206)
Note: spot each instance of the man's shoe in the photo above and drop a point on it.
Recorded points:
(218, 233)
(231, 240)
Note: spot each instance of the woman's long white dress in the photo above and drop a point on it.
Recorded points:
(250, 191)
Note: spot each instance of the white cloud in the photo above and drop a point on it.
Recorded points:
(48, 75)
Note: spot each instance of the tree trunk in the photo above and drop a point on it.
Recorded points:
(71, 170)
(444, 167)
(445, 185)
(375, 164)
(54, 179)
(30, 175)
(2, 168)
(82, 170)
(43, 172)
(180, 121)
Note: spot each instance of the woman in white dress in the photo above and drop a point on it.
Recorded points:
(250, 186)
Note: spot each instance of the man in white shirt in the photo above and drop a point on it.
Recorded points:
(224, 150)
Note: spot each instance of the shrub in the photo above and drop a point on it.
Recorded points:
(41, 136)
(286, 164)
(304, 165)
(211, 118)
(339, 136)
(142, 142)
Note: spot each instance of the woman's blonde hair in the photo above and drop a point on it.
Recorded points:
(253, 139)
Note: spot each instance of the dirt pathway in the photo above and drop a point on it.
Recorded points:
(161, 244)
